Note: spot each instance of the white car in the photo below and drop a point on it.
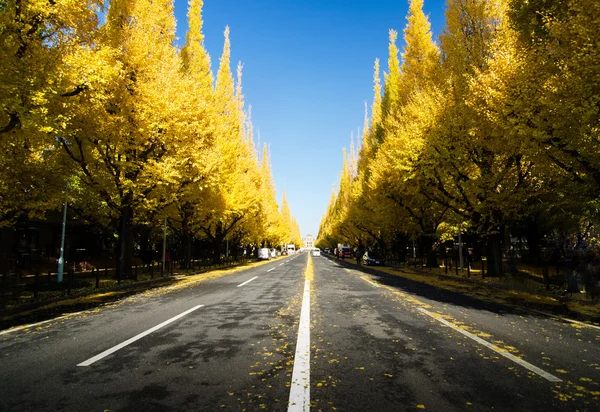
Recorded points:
(316, 252)
(264, 253)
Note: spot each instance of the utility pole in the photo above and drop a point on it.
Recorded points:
(164, 251)
(61, 259)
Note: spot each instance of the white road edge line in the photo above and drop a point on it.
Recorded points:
(300, 390)
(34, 325)
(553, 316)
(246, 282)
(372, 283)
(136, 337)
(495, 348)
(587, 325)
(270, 269)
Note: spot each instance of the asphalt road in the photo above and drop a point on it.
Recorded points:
(372, 343)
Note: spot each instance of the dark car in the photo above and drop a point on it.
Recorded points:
(373, 258)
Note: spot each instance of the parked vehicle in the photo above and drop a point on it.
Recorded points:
(373, 258)
(346, 252)
(264, 254)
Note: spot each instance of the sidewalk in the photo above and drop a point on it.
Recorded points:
(489, 292)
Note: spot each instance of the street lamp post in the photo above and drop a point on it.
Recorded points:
(61, 260)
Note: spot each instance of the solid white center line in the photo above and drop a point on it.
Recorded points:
(270, 269)
(495, 348)
(300, 390)
(136, 337)
(246, 282)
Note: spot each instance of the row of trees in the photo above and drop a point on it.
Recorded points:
(103, 100)
(495, 127)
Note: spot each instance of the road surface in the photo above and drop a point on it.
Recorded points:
(296, 334)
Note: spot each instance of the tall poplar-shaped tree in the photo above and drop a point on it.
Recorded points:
(341, 222)
(291, 228)
(196, 61)
(117, 142)
(326, 236)
(286, 217)
(235, 198)
(391, 85)
(396, 170)
(365, 211)
(195, 161)
(274, 232)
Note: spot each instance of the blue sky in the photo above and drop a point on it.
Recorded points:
(308, 69)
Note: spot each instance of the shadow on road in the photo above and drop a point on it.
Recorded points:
(515, 305)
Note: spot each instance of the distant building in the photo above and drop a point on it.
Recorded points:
(309, 242)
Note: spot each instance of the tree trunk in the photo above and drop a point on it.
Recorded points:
(494, 256)
(186, 235)
(534, 238)
(217, 247)
(125, 255)
(428, 242)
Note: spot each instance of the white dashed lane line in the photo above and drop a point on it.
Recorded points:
(136, 337)
(246, 282)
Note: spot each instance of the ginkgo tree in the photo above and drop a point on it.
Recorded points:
(234, 199)
(127, 122)
(495, 128)
(37, 42)
(139, 129)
